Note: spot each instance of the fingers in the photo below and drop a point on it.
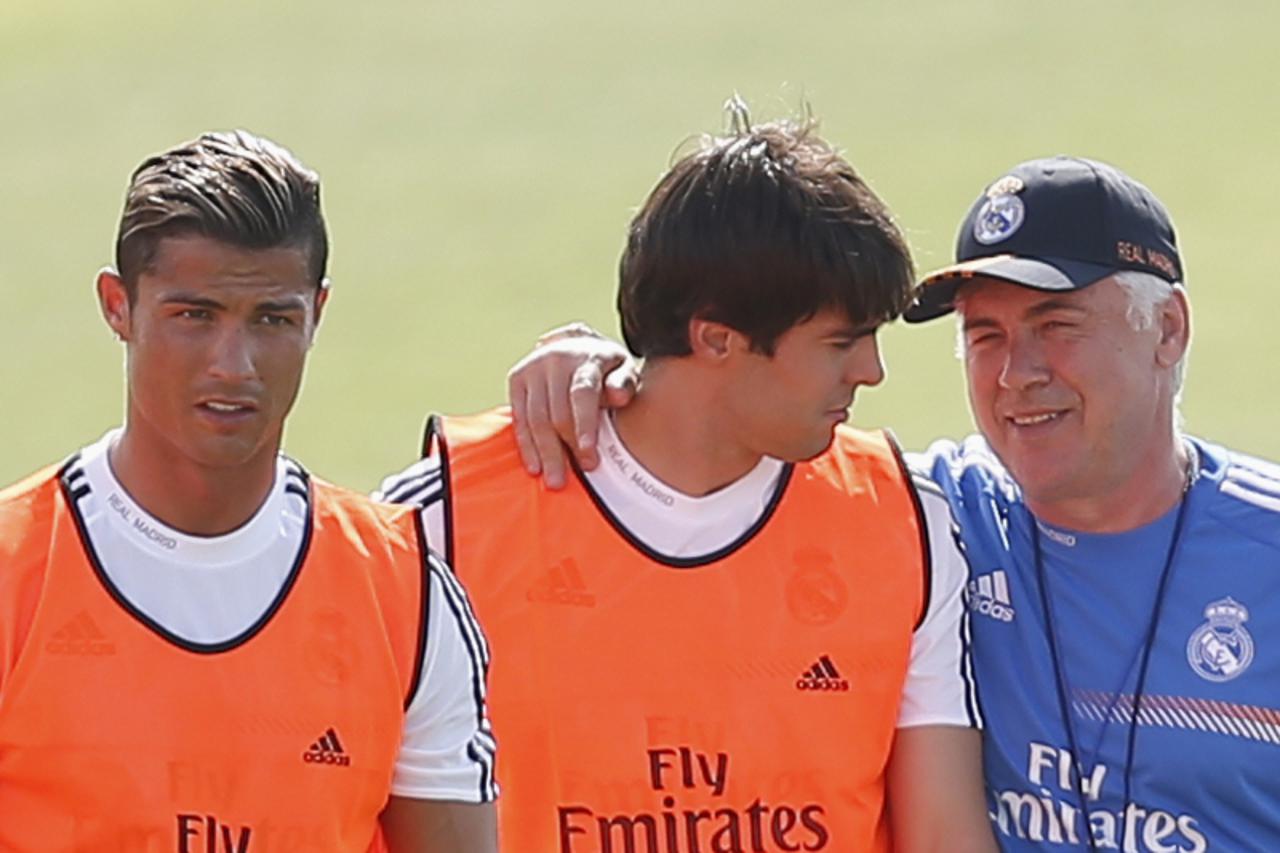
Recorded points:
(542, 434)
(585, 392)
(540, 449)
(517, 397)
(620, 384)
(556, 392)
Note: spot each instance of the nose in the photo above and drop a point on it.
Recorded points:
(865, 366)
(231, 358)
(1024, 363)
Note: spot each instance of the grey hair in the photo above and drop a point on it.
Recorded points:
(1147, 292)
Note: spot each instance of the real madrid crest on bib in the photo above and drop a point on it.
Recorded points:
(1002, 213)
(1221, 649)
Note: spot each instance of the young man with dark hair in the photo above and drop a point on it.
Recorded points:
(691, 653)
(201, 646)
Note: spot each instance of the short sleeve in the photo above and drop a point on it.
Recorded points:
(447, 750)
(939, 688)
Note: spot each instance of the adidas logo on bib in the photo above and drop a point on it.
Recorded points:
(562, 584)
(327, 750)
(822, 676)
(80, 636)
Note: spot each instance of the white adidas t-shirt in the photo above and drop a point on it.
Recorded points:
(207, 591)
(939, 684)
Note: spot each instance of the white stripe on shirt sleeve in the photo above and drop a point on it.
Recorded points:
(447, 749)
(939, 689)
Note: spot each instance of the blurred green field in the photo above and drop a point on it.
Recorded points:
(481, 161)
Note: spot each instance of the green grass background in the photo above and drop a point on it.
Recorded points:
(481, 161)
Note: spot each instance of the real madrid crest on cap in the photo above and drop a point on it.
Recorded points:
(1221, 649)
(1002, 213)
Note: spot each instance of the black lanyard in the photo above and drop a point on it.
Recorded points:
(1148, 643)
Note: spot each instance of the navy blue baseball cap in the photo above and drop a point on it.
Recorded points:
(1059, 223)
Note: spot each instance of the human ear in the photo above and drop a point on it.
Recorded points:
(113, 301)
(1173, 318)
(709, 339)
(321, 299)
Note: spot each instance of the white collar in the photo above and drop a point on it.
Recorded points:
(132, 523)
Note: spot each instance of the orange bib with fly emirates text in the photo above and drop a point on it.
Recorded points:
(744, 702)
(116, 736)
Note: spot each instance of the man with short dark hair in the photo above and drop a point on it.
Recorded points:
(1121, 569)
(201, 646)
(744, 630)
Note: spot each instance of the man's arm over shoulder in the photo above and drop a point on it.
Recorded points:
(967, 472)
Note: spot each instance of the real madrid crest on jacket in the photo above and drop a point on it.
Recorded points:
(1109, 665)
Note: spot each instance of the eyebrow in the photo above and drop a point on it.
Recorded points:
(180, 298)
(1048, 306)
(291, 303)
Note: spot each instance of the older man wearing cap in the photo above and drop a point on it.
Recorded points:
(1121, 570)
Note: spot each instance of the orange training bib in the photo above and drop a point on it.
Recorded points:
(746, 702)
(117, 737)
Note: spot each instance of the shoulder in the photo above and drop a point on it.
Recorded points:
(449, 433)
(857, 458)
(981, 495)
(1244, 492)
(25, 507)
(968, 474)
(969, 464)
(34, 487)
(421, 484)
(27, 528)
(477, 443)
(362, 517)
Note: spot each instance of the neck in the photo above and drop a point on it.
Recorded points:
(191, 498)
(1151, 490)
(674, 429)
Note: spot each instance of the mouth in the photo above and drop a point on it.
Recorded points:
(1032, 420)
(226, 410)
(1036, 420)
